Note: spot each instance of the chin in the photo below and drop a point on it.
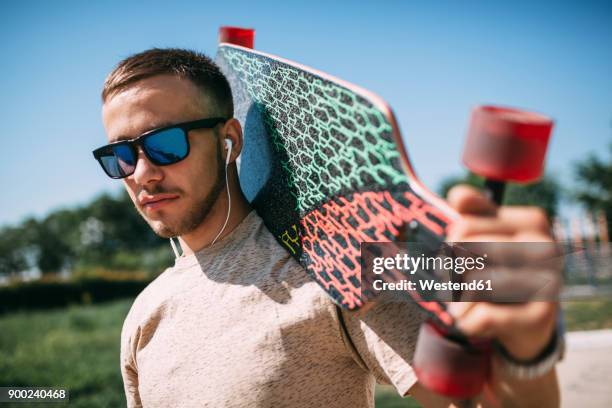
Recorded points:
(162, 229)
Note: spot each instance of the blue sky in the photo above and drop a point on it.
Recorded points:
(432, 61)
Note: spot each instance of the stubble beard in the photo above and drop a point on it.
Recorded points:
(196, 215)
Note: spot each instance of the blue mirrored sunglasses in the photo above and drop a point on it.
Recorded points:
(163, 146)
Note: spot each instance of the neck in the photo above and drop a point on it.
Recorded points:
(204, 235)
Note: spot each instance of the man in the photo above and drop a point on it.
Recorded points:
(236, 322)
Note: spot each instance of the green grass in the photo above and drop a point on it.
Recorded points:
(78, 348)
(75, 348)
(588, 314)
(386, 397)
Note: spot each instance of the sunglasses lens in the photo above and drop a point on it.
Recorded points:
(119, 161)
(167, 147)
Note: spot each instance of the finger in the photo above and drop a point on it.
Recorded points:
(523, 329)
(503, 321)
(526, 218)
(468, 230)
(459, 309)
(522, 284)
(509, 221)
(500, 251)
(486, 319)
(468, 200)
(533, 237)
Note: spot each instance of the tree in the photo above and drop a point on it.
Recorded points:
(594, 175)
(124, 228)
(49, 240)
(12, 255)
(546, 193)
(108, 232)
(111, 234)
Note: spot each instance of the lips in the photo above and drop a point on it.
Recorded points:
(156, 201)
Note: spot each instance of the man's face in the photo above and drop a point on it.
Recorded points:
(173, 199)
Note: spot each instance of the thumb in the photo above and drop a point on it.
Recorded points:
(470, 201)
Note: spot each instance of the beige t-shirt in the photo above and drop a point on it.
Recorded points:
(240, 324)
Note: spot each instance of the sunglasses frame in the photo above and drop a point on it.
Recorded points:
(132, 144)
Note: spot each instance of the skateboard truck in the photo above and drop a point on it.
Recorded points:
(503, 144)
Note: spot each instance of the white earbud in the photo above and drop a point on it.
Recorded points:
(174, 249)
(228, 146)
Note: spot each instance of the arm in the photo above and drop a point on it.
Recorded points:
(130, 385)
(541, 392)
(523, 329)
(129, 370)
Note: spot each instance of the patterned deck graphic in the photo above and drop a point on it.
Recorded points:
(322, 168)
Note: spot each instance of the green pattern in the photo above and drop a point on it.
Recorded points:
(334, 140)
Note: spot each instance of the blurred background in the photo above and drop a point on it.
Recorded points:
(74, 252)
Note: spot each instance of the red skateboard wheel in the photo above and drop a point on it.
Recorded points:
(244, 37)
(450, 368)
(506, 144)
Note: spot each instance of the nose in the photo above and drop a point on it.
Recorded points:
(146, 172)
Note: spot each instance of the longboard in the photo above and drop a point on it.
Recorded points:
(325, 166)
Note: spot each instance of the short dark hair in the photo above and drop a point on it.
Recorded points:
(192, 65)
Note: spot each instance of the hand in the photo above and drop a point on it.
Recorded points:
(524, 329)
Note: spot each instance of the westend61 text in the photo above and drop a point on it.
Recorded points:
(432, 284)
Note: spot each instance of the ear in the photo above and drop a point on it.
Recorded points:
(232, 130)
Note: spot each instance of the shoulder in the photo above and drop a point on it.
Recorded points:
(260, 237)
(260, 256)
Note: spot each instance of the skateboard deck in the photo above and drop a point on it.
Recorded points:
(325, 167)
